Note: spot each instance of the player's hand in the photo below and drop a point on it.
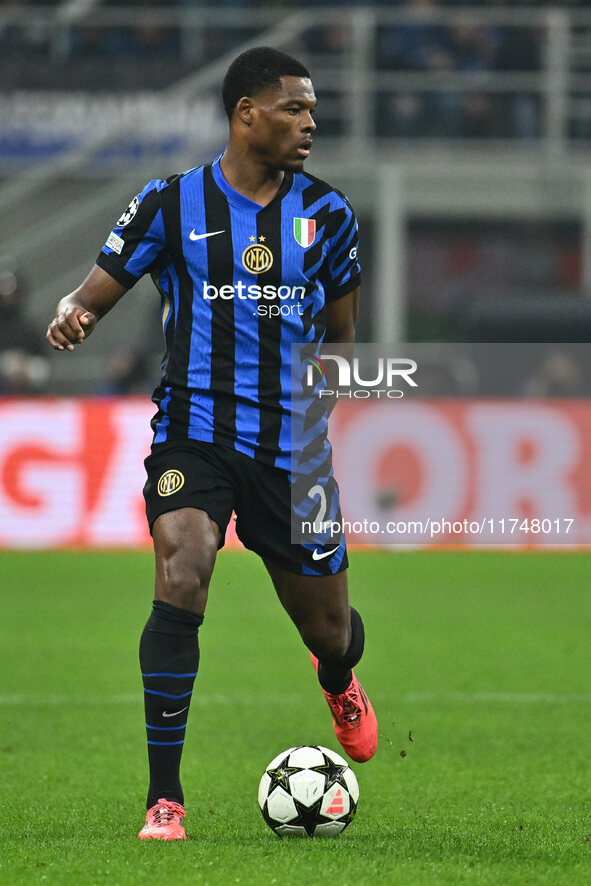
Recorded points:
(70, 327)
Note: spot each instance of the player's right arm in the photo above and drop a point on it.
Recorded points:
(78, 313)
(134, 247)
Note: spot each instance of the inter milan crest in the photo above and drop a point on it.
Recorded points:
(304, 230)
(257, 258)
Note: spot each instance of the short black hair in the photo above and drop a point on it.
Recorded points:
(256, 70)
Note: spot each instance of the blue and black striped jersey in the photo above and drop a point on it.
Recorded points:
(239, 284)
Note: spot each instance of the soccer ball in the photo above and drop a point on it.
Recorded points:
(308, 791)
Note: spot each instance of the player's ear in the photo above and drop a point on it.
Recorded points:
(243, 110)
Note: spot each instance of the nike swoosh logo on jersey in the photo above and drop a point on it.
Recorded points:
(316, 555)
(174, 713)
(194, 236)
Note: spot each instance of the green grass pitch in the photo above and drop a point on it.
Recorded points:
(478, 667)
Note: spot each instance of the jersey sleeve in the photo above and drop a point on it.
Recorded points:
(137, 243)
(341, 271)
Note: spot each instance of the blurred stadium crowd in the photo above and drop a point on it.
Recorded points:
(151, 53)
(124, 47)
(156, 53)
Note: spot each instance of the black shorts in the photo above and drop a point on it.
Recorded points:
(220, 480)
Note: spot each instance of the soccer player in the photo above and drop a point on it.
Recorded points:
(225, 243)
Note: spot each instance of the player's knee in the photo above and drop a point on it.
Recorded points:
(184, 563)
(182, 579)
(182, 585)
(335, 640)
(327, 638)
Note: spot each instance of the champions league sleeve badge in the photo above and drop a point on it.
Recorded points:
(129, 213)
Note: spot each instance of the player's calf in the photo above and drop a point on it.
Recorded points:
(169, 659)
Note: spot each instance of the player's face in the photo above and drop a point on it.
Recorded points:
(283, 124)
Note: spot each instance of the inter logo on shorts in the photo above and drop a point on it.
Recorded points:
(304, 230)
(257, 258)
(170, 482)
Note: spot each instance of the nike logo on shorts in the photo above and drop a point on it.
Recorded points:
(194, 236)
(317, 555)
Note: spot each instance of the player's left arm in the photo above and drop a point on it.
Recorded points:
(341, 319)
(341, 276)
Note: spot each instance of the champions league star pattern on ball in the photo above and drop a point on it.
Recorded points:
(308, 791)
(239, 284)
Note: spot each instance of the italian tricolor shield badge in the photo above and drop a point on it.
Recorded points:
(304, 230)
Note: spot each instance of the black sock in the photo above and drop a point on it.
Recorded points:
(335, 676)
(169, 660)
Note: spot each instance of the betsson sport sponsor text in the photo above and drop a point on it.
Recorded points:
(255, 292)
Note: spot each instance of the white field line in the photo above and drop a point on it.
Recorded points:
(510, 698)
(517, 698)
(136, 698)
